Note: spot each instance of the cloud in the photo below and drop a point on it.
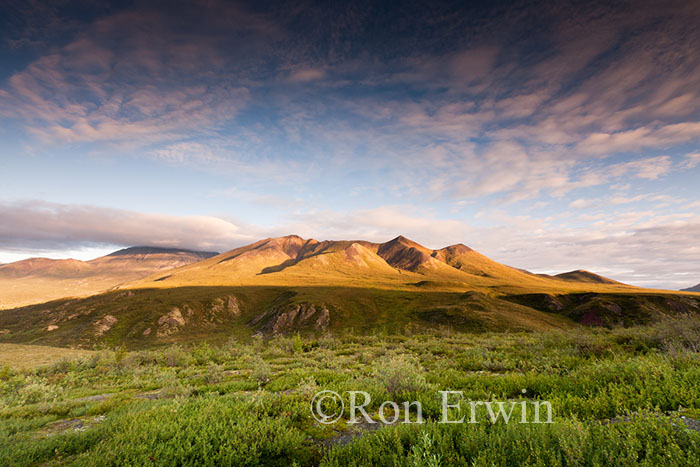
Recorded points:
(306, 75)
(640, 138)
(691, 161)
(581, 203)
(365, 107)
(504, 111)
(637, 247)
(650, 168)
(134, 77)
(42, 225)
(379, 224)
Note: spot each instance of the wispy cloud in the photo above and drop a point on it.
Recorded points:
(373, 123)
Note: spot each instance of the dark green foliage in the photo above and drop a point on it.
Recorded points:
(617, 397)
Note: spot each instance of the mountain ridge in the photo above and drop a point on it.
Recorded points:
(396, 263)
(289, 284)
(35, 280)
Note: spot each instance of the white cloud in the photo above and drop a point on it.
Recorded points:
(49, 226)
(638, 247)
(581, 203)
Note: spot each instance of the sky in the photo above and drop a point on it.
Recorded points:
(548, 136)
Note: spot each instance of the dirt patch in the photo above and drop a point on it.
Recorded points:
(95, 398)
(354, 431)
(155, 395)
(72, 424)
(691, 423)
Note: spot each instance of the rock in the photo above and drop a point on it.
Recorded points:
(147, 332)
(170, 323)
(104, 324)
(51, 327)
(552, 304)
(290, 318)
(226, 305)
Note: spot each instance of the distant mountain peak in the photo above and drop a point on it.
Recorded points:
(581, 275)
(458, 248)
(153, 250)
(692, 289)
(403, 253)
(405, 241)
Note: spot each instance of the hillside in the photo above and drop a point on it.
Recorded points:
(692, 289)
(37, 280)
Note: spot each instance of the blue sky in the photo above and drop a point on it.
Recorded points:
(548, 137)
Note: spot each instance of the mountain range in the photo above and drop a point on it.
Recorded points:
(142, 297)
(397, 264)
(37, 280)
(692, 289)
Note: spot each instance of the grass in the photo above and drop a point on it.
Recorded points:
(246, 402)
(30, 356)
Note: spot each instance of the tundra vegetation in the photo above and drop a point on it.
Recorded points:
(623, 396)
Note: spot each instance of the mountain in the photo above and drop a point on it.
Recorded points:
(585, 276)
(291, 284)
(36, 280)
(692, 289)
(399, 263)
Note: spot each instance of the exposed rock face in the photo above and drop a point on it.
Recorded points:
(226, 305)
(51, 327)
(170, 323)
(280, 320)
(594, 309)
(104, 324)
(196, 314)
(551, 303)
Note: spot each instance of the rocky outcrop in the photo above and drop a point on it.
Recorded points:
(170, 323)
(226, 306)
(196, 314)
(290, 318)
(104, 324)
(594, 309)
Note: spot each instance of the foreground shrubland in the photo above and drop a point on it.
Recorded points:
(619, 398)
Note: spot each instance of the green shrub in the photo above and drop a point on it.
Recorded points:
(260, 370)
(400, 375)
(175, 356)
